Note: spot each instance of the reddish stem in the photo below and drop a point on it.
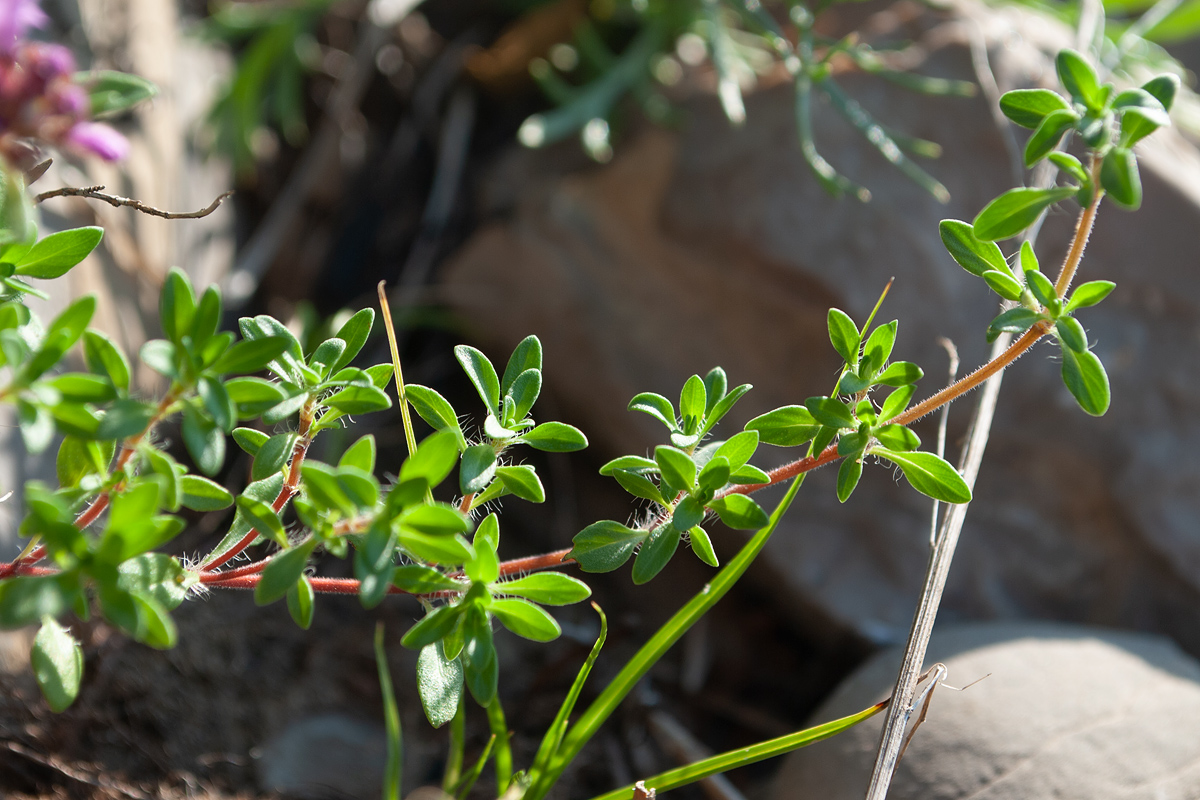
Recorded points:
(289, 489)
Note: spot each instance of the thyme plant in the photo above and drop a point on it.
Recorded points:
(94, 539)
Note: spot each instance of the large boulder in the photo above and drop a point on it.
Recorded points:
(1064, 711)
(716, 246)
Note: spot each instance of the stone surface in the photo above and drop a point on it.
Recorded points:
(716, 246)
(1066, 712)
(325, 756)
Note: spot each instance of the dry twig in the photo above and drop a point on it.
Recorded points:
(97, 193)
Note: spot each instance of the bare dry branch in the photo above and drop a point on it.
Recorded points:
(97, 193)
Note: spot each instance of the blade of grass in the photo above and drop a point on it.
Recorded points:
(603, 706)
(504, 758)
(454, 759)
(558, 728)
(468, 781)
(681, 776)
(409, 439)
(391, 717)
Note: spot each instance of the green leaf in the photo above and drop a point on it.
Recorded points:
(482, 375)
(702, 546)
(1071, 333)
(439, 684)
(657, 550)
(693, 400)
(418, 579)
(739, 512)
(301, 601)
(677, 468)
(844, 335)
(25, 600)
(111, 92)
(288, 365)
(526, 356)
(1048, 134)
(1087, 381)
(1079, 78)
(524, 392)
(176, 305)
(479, 655)
(359, 400)
(57, 661)
(204, 440)
(604, 546)
(688, 513)
(435, 624)
(1015, 210)
(1015, 320)
(738, 449)
(896, 402)
(522, 481)
(749, 474)
(656, 406)
(831, 412)
(77, 459)
(1120, 179)
(207, 318)
(56, 254)
(217, 403)
(900, 373)
(1028, 107)
(549, 588)
(282, 572)
(555, 437)
(201, 494)
(721, 408)
(788, 426)
(1089, 294)
(897, 437)
(434, 459)
(125, 418)
(251, 355)
(448, 550)
(435, 519)
(1041, 287)
(638, 486)
(435, 410)
(879, 344)
(1003, 284)
(714, 474)
(637, 464)
(847, 478)
(272, 455)
(326, 355)
(354, 333)
(265, 520)
(250, 440)
(253, 396)
(360, 455)
(526, 619)
(1070, 165)
(929, 474)
(105, 358)
(160, 356)
(716, 386)
(157, 576)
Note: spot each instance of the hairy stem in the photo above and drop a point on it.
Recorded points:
(1083, 230)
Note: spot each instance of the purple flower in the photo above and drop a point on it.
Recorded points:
(99, 139)
(16, 18)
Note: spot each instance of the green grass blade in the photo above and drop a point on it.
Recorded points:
(558, 728)
(391, 717)
(603, 706)
(829, 178)
(454, 759)
(504, 758)
(681, 776)
(468, 780)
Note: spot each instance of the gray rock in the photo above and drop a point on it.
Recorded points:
(1065, 712)
(329, 756)
(716, 246)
